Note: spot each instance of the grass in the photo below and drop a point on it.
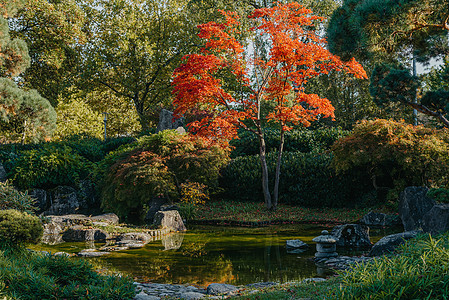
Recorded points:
(256, 212)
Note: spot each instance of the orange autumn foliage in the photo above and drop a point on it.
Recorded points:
(297, 54)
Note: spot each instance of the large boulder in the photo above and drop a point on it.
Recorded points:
(413, 205)
(70, 220)
(52, 228)
(166, 121)
(376, 219)
(87, 197)
(296, 246)
(436, 220)
(80, 234)
(352, 236)
(42, 199)
(154, 205)
(389, 243)
(64, 201)
(170, 219)
(3, 176)
(135, 236)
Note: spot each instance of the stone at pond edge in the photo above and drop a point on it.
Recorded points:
(191, 296)
(389, 243)
(91, 253)
(135, 236)
(220, 288)
(294, 244)
(413, 205)
(379, 219)
(436, 220)
(352, 236)
(170, 219)
(64, 200)
(52, 228)
(110, 218)
(143, 296)
(79, 234)
(154, 205)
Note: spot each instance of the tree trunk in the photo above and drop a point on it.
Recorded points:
(263, 162)
(278, 172)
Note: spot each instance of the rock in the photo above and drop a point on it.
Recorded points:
(309, 280)
(131, 244)
(352, 236)
(345, 262)
(52, 239)
(110, 218)
(69, 220)
(86, 196)
(379, 219)
(52, 228)
(143, 296)
(170, 219)
(85, 253)
(2, 173)
(42, 199)
(135, 236)
(436, 220)
(154, 205)
(191, 296)
(220, 288)
(389, 243)
(173, 241)
(64, 200)
(79, 234)
(166, 121)
(62, 254)
(413, 205)
(293, 244)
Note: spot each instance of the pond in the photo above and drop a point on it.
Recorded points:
(206, 254)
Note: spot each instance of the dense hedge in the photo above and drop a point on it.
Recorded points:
(47, 165)
(302, 140)
(11, 198)
(306, 179)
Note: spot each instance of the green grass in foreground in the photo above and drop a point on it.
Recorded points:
(420, 270)
(256, 212)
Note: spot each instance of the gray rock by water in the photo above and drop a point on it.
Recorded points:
(379, 219)
(78, 234)
(64, 201)
(135, 236)
(413, 205)
(2, 173)
(154, 205)
(191, 296)
(110, 218)
(389, 243)
(296, 246)
(170, 219)
(436, 220)
(220, 288)
(166, 121)
(52, 228)
(352, 236)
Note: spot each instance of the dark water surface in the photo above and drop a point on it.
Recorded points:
(206, 254)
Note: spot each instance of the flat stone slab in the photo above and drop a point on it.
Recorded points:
(92, 254)
(191, 296)
(295, 244)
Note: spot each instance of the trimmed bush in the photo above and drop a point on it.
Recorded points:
(439, 195)
(17, 228)
(10, 198)
(419, 271)
(156, 166)
(302, 140)
(395, 155)
(306, 179)
(38, 276)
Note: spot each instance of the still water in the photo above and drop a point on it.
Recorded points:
(206, 254)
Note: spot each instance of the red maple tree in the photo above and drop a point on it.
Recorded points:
(233, 86)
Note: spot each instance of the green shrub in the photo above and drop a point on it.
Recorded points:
(419, 271)
(17, 228)
(302, 140)
(439, 195)
(38, 276)
(10, 198)
(47, 167)
(306, 179)
(395, 154)
(156, 166)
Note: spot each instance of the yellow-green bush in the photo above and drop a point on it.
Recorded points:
(395, 154)
(10, 198)
(17, 228)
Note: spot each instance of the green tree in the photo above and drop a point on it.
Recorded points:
(134, 46)
(53, 32)
(24, 114)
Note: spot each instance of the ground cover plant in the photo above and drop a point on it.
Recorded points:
(225, 211)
